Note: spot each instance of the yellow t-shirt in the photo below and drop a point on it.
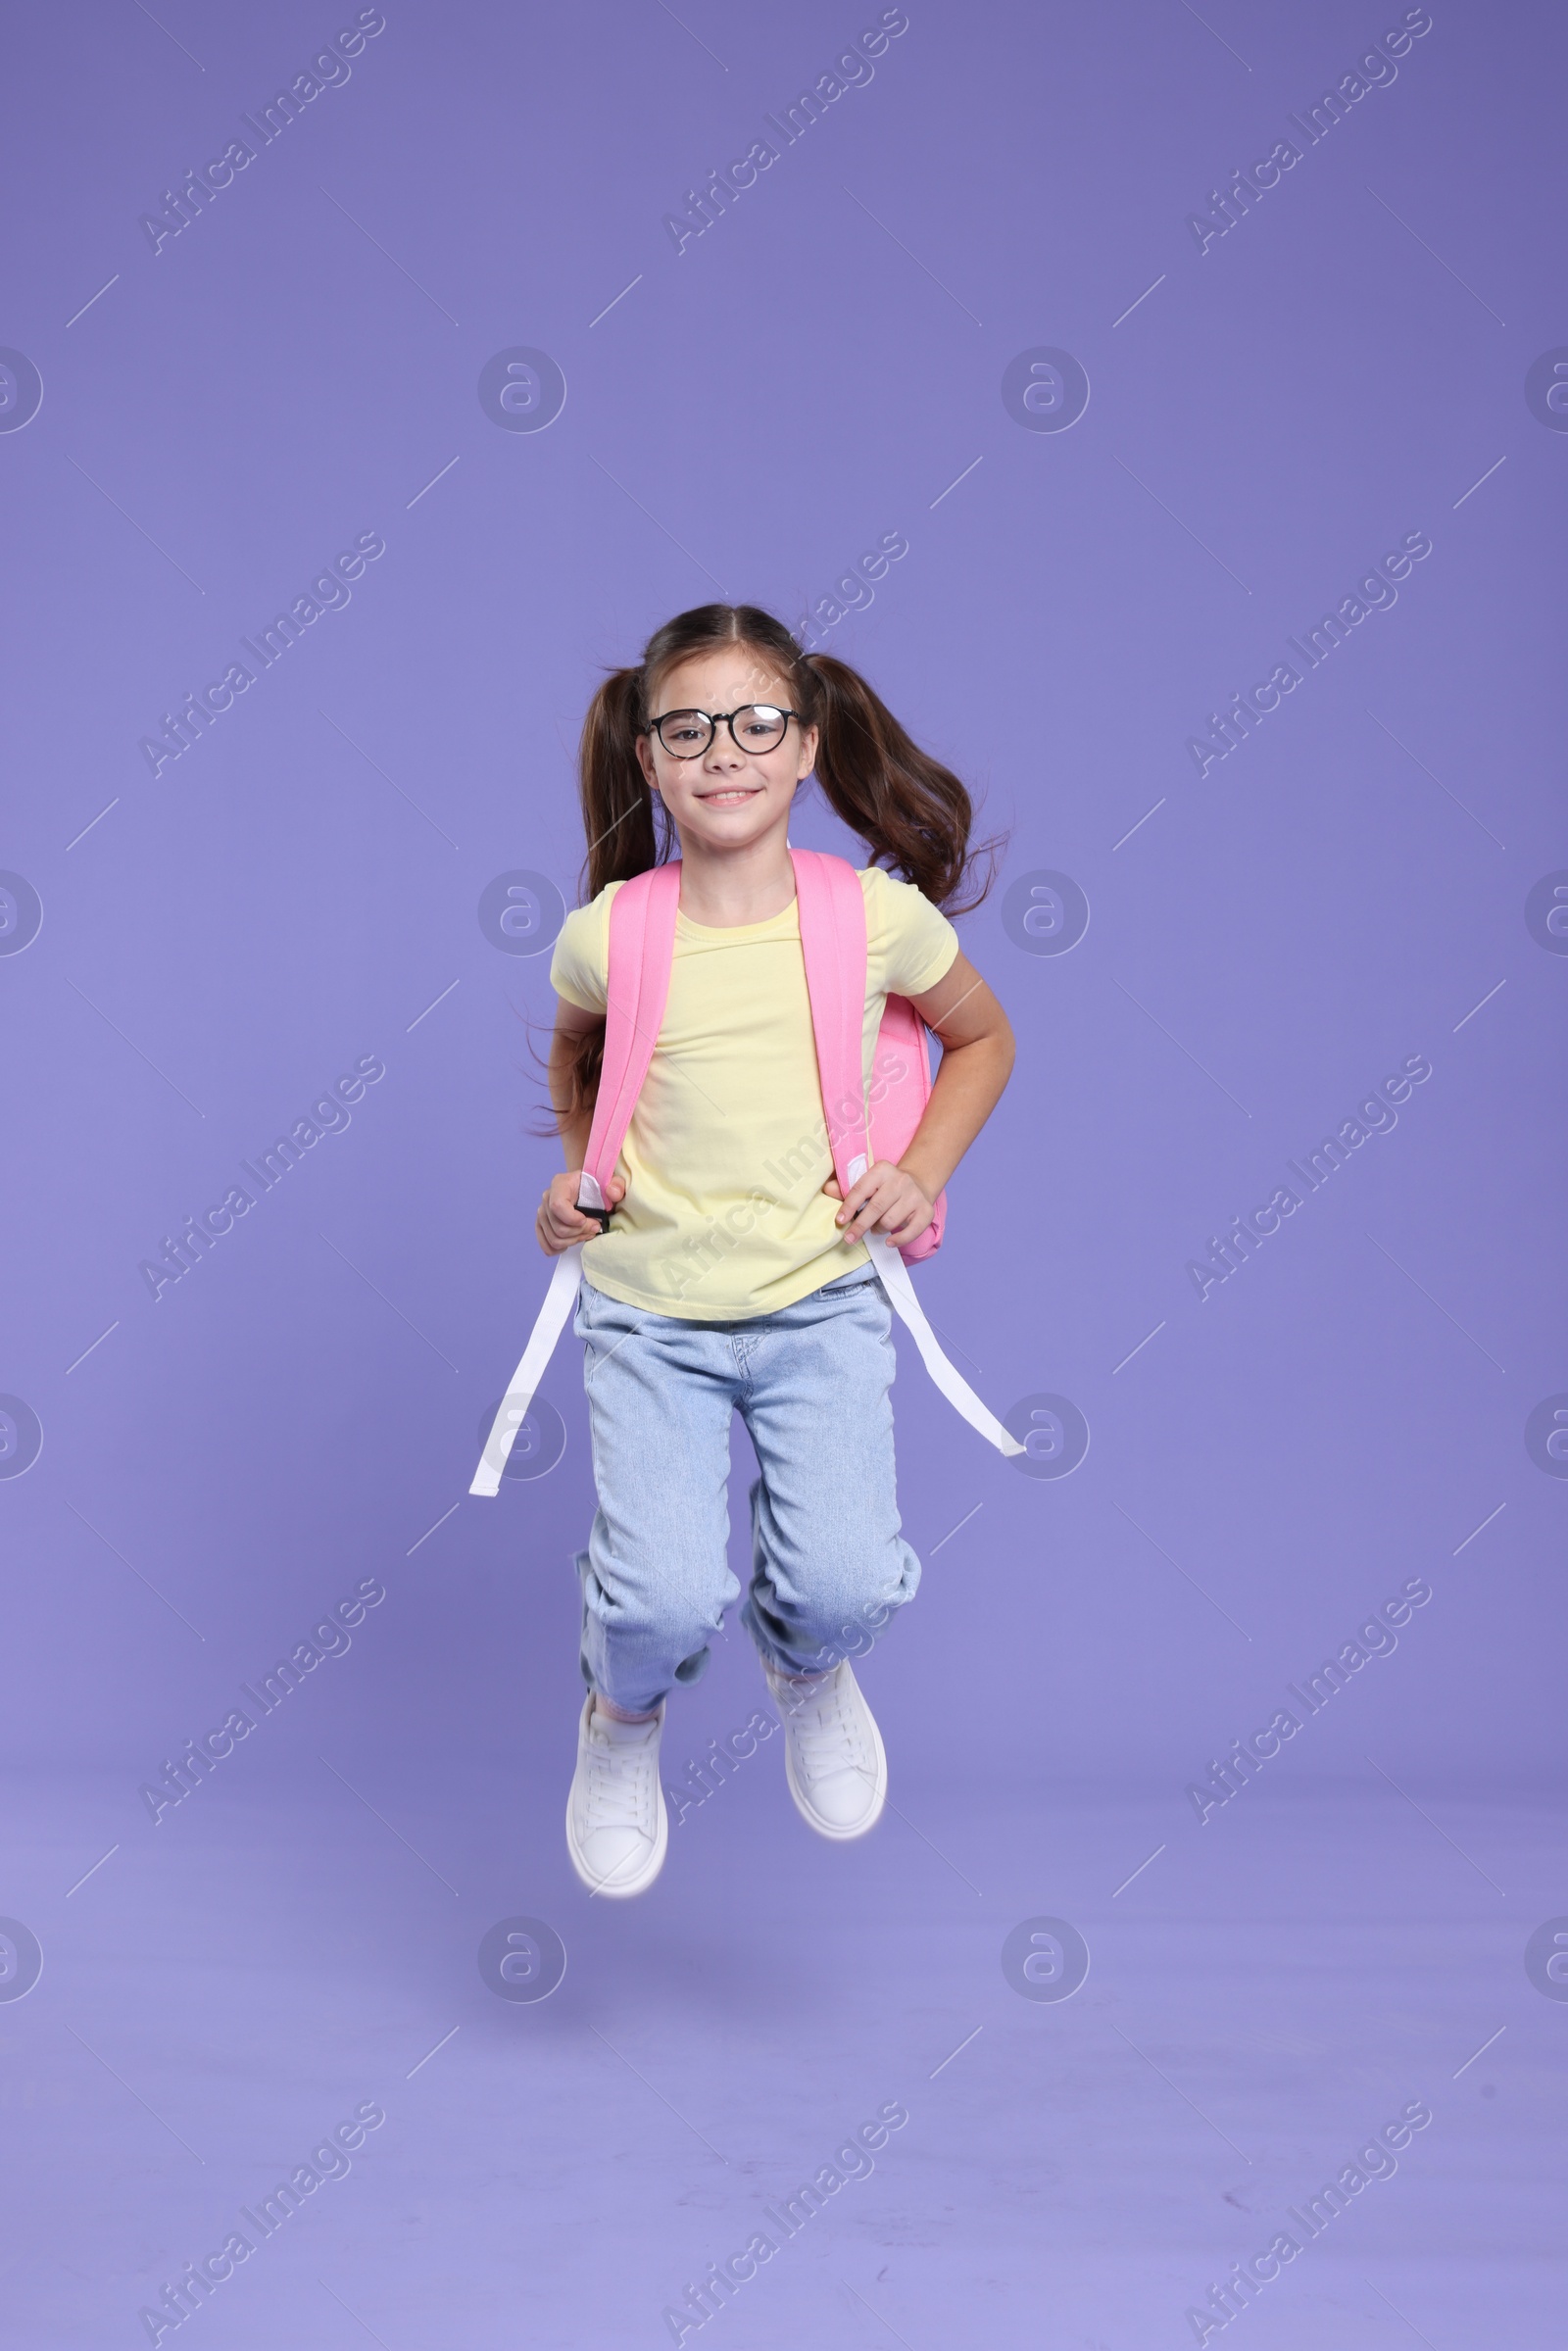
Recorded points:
(724, 1161)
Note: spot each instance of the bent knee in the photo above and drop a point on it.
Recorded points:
(646, 1603)
(847, 1611)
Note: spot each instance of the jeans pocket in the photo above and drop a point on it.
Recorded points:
(864, 1277)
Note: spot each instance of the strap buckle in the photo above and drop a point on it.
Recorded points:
(601, 1217)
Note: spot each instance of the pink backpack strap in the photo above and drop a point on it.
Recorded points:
(832, 918)
(833, 945)
(642, 949)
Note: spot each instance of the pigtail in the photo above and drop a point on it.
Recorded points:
(618, 811)
(912, 812)
(623, 838)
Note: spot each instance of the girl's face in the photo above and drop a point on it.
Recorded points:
(731, 794)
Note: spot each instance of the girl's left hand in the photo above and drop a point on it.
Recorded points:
(885, 1199)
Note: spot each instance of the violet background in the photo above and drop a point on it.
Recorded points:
(301, 1410)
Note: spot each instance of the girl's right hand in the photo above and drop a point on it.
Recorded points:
(560, 1222)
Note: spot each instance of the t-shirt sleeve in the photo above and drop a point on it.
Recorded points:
(578, 968)
(912, 940)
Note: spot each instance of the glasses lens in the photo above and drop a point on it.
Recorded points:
(685, 733)
(759, 726)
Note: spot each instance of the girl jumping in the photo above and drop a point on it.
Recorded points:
(727, 1268)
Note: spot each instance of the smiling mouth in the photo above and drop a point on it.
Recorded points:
(731, 797)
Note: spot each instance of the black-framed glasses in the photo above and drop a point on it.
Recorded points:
(759, 726)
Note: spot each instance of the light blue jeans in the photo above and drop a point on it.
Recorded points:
(829, 1565)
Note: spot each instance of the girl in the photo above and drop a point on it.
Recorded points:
(728, 1275)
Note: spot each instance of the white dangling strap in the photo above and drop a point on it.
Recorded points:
(560, 1298)
(895, 1279)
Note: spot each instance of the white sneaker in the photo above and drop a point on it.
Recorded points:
(833, 1755)
(616, 1826)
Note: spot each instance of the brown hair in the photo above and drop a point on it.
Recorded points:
(913, 814)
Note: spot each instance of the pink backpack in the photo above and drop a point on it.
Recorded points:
(859, 1130)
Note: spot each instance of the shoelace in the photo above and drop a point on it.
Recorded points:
(620, 1787)
(826, 1737)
